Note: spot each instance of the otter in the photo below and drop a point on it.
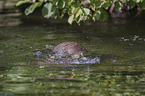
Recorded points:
(73, 49)
(68, 53)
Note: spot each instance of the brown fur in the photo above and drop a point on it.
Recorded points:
(71, 48)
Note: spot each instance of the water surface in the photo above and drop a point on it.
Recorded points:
(121, 76)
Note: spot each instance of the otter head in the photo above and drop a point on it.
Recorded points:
(72, 49)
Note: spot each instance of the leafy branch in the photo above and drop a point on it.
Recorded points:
(81, 10)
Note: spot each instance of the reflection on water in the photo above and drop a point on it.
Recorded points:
(9, 14)
(114, 65)
(21, 80)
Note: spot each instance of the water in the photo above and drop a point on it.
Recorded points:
(119, 45)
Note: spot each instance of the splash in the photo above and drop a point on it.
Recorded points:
(87, 60)
(64, 58)
(61, 57)
(133, 38)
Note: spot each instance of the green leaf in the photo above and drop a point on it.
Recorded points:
(63, 11)
(93, 7)
(122, 1)
(98, 4)
(50, 11)
(71, 19)
(88, 1)
(75, 10)
(104, 15)
(137, 1)
(131, 4)
(79, 19)
(22, 2)
(79, 13)
(71, 11)
(118, 5)
(86, 11)
(32, 7)
(96, 15)
(61, 4)
(106, 5)
(100, 14)
(142, 4)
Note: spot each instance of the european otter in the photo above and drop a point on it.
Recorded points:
(69, 53)
(71, 48)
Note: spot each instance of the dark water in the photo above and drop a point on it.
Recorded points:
(121, 76)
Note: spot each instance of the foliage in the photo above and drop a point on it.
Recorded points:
(81, 10)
